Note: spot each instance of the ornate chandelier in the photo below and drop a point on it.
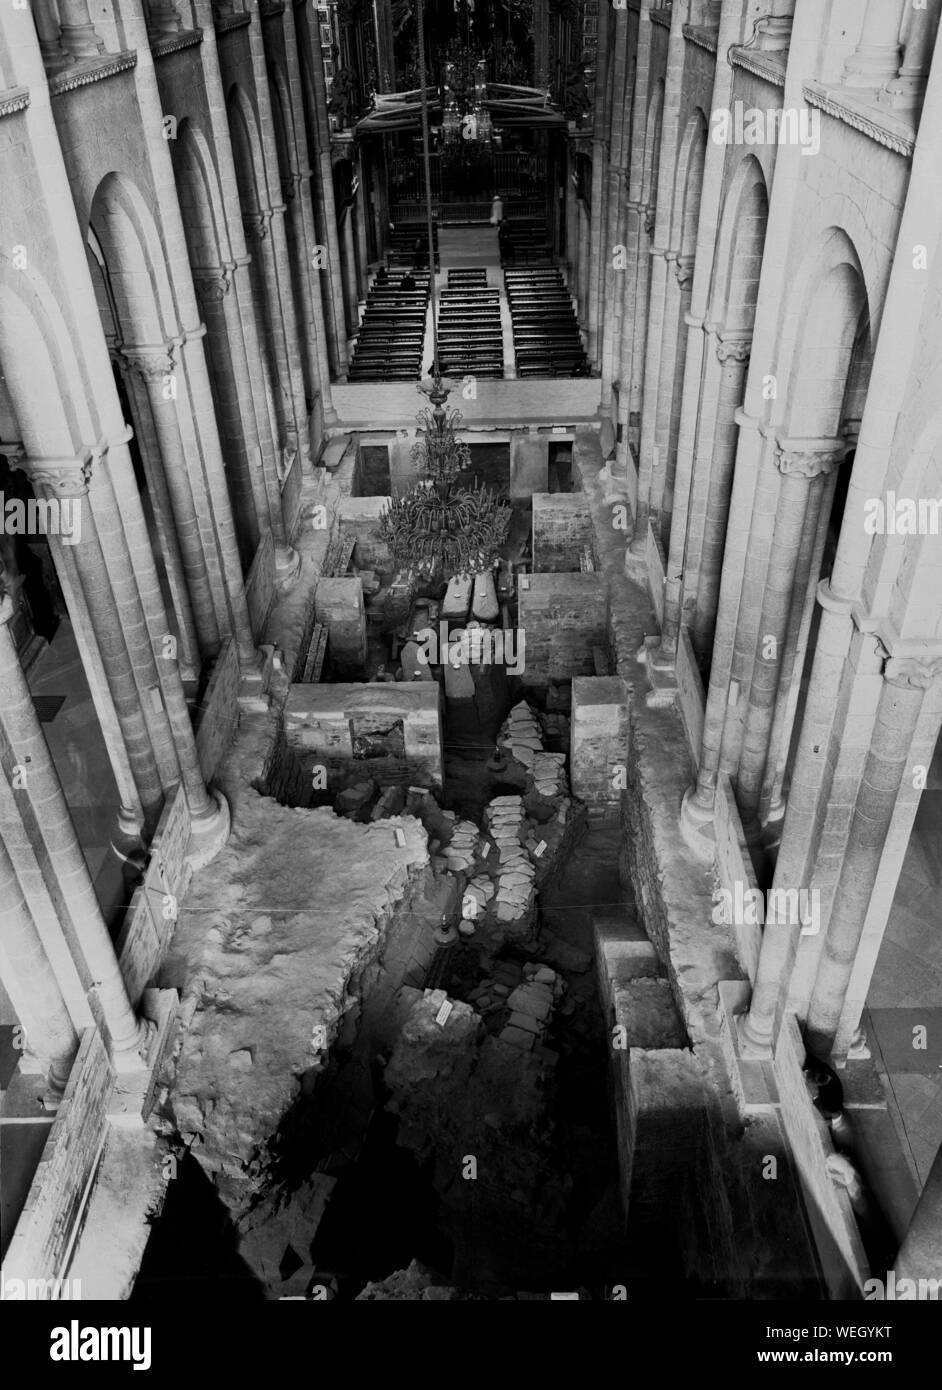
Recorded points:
(439, 529)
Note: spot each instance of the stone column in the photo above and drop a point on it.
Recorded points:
(254, 421)
(363, 255)
(64, 860)
(155, 367)
(201, 407)
(804, 466)
(733, 356)
(327, 215)
(79, 37)
(162, 18)
(350, 271)
(149, 450)
(250, 503)
(46, 19)
(876, 58)
(315, 327)
(25, 969)
(67, 480)
(775, 31)
(906, 91)
(772, 806)
(598, 252)
(616, 174)
(906, 680)
(920, 1255)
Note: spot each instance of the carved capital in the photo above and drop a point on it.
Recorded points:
(734, 349)
(151, 364)
(62, 477)
(214, 285)
(650, 217)
(684, 270)
(912, 672)
(811, 461)
(256, 223)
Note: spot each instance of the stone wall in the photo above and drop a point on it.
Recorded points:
(564, 618)
(338, 605)
(562, 528)
(599, 738)
(321, 721)
(260, 585)
(359, 517)
(830, 1214)
(529, 465)
(219, 712)
(55, 1206)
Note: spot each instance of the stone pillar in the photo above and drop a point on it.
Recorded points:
(315, 326)
(906, 91)
(250, 503)
(876, 58)
(906, 680)
(616, 199)
(327, 215)
(258, 226)
(162, 18)
(67, 480)
(772, 806)
(775, 31)
(196, 374)
(804, 466)
(733, 355)
(349, 271)
(598, 251)
(149, 449)
(79, 37)
(64, 860)
(155, 367)
(46, 19)
(920, 1255)
(363, 255)
(25, 969)
(803, 822)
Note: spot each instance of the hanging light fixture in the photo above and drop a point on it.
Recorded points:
(439, 529)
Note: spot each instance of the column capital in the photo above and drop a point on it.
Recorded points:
(212, 283)
(808, 458)
(734, 349)
(913, 672)
(684, 270)
(64, 477)
(151, 361)
(257, 223)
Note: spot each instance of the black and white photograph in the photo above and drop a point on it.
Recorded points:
(470, 674)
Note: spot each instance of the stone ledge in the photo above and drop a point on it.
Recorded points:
(90, 70)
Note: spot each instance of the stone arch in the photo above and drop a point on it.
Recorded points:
(42, 371)
(828, 303)
(685, 206)
(128, 235)
(201, 202)
(652, 146)
(247, 151)
(283, 119)
(739, 246)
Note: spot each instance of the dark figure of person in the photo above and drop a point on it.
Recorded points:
(407, 283)
(382, 274)
(827, 1096)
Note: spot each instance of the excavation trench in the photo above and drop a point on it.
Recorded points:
(461, 1116)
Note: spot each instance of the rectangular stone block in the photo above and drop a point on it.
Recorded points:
(562, 528)
(598, 738)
